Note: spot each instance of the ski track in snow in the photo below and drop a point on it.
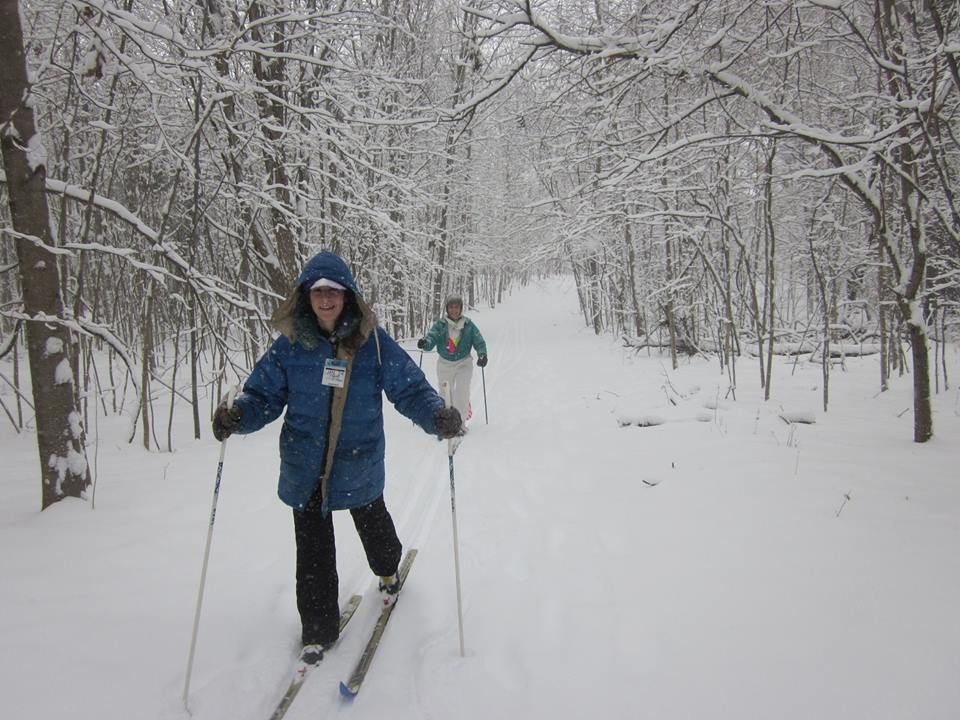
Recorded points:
(546, 603)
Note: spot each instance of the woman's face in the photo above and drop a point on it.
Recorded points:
(327, 304)
(454, 310)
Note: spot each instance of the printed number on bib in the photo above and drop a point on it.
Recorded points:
(334, 373)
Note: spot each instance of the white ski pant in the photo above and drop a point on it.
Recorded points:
(458, 373)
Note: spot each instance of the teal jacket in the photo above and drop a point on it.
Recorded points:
(470, 338)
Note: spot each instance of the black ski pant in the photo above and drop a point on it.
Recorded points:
(317, 581)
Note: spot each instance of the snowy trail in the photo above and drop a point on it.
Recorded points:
(576, 575)
(521, 536)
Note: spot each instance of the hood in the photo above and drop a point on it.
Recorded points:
(330, 266)
(294, 317)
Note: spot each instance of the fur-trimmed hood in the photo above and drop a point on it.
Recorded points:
(294, 317)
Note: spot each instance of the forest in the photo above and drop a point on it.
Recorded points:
(733, 179)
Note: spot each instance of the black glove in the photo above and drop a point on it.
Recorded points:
(482, 361)
(225, 421)
(422, 343)
(448, 422)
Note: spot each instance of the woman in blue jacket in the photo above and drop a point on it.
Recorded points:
(455, 336)
(330, 367)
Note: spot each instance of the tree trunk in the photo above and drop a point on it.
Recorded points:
(922, 415)
(271, 81)
(771, 244)
(145, 365)
(63, 463)
(882, 318)
(909, 279)
(631, 258)
(668, 307)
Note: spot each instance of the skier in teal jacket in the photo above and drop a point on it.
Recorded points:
(455, 336)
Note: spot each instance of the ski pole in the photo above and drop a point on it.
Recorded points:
(453, 509)
(231, 394)
(419, 365)
(483, 376)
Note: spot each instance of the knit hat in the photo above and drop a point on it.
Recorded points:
(453, 300)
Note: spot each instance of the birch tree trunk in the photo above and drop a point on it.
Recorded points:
(63, 464)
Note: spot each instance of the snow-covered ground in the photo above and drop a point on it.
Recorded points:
(720, 565)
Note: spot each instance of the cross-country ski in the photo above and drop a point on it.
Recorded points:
(351, 686)
(302, 671)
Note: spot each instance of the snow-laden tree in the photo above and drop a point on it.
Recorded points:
(63, 463)
(198, 153)
(859, 98)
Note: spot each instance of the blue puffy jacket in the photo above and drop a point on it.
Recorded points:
(333, 435)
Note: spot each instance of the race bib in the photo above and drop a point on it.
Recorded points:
(334, 373)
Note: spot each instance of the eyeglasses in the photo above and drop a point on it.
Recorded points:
(326, 292)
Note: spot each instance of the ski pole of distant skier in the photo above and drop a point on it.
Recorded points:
(483, 376)
(231, 394)
(453, 510)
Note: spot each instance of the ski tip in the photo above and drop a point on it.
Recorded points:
(346, 692)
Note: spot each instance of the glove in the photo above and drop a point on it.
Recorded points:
(448, 422)
(482, 361)
(422, 343)
(226, 420)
